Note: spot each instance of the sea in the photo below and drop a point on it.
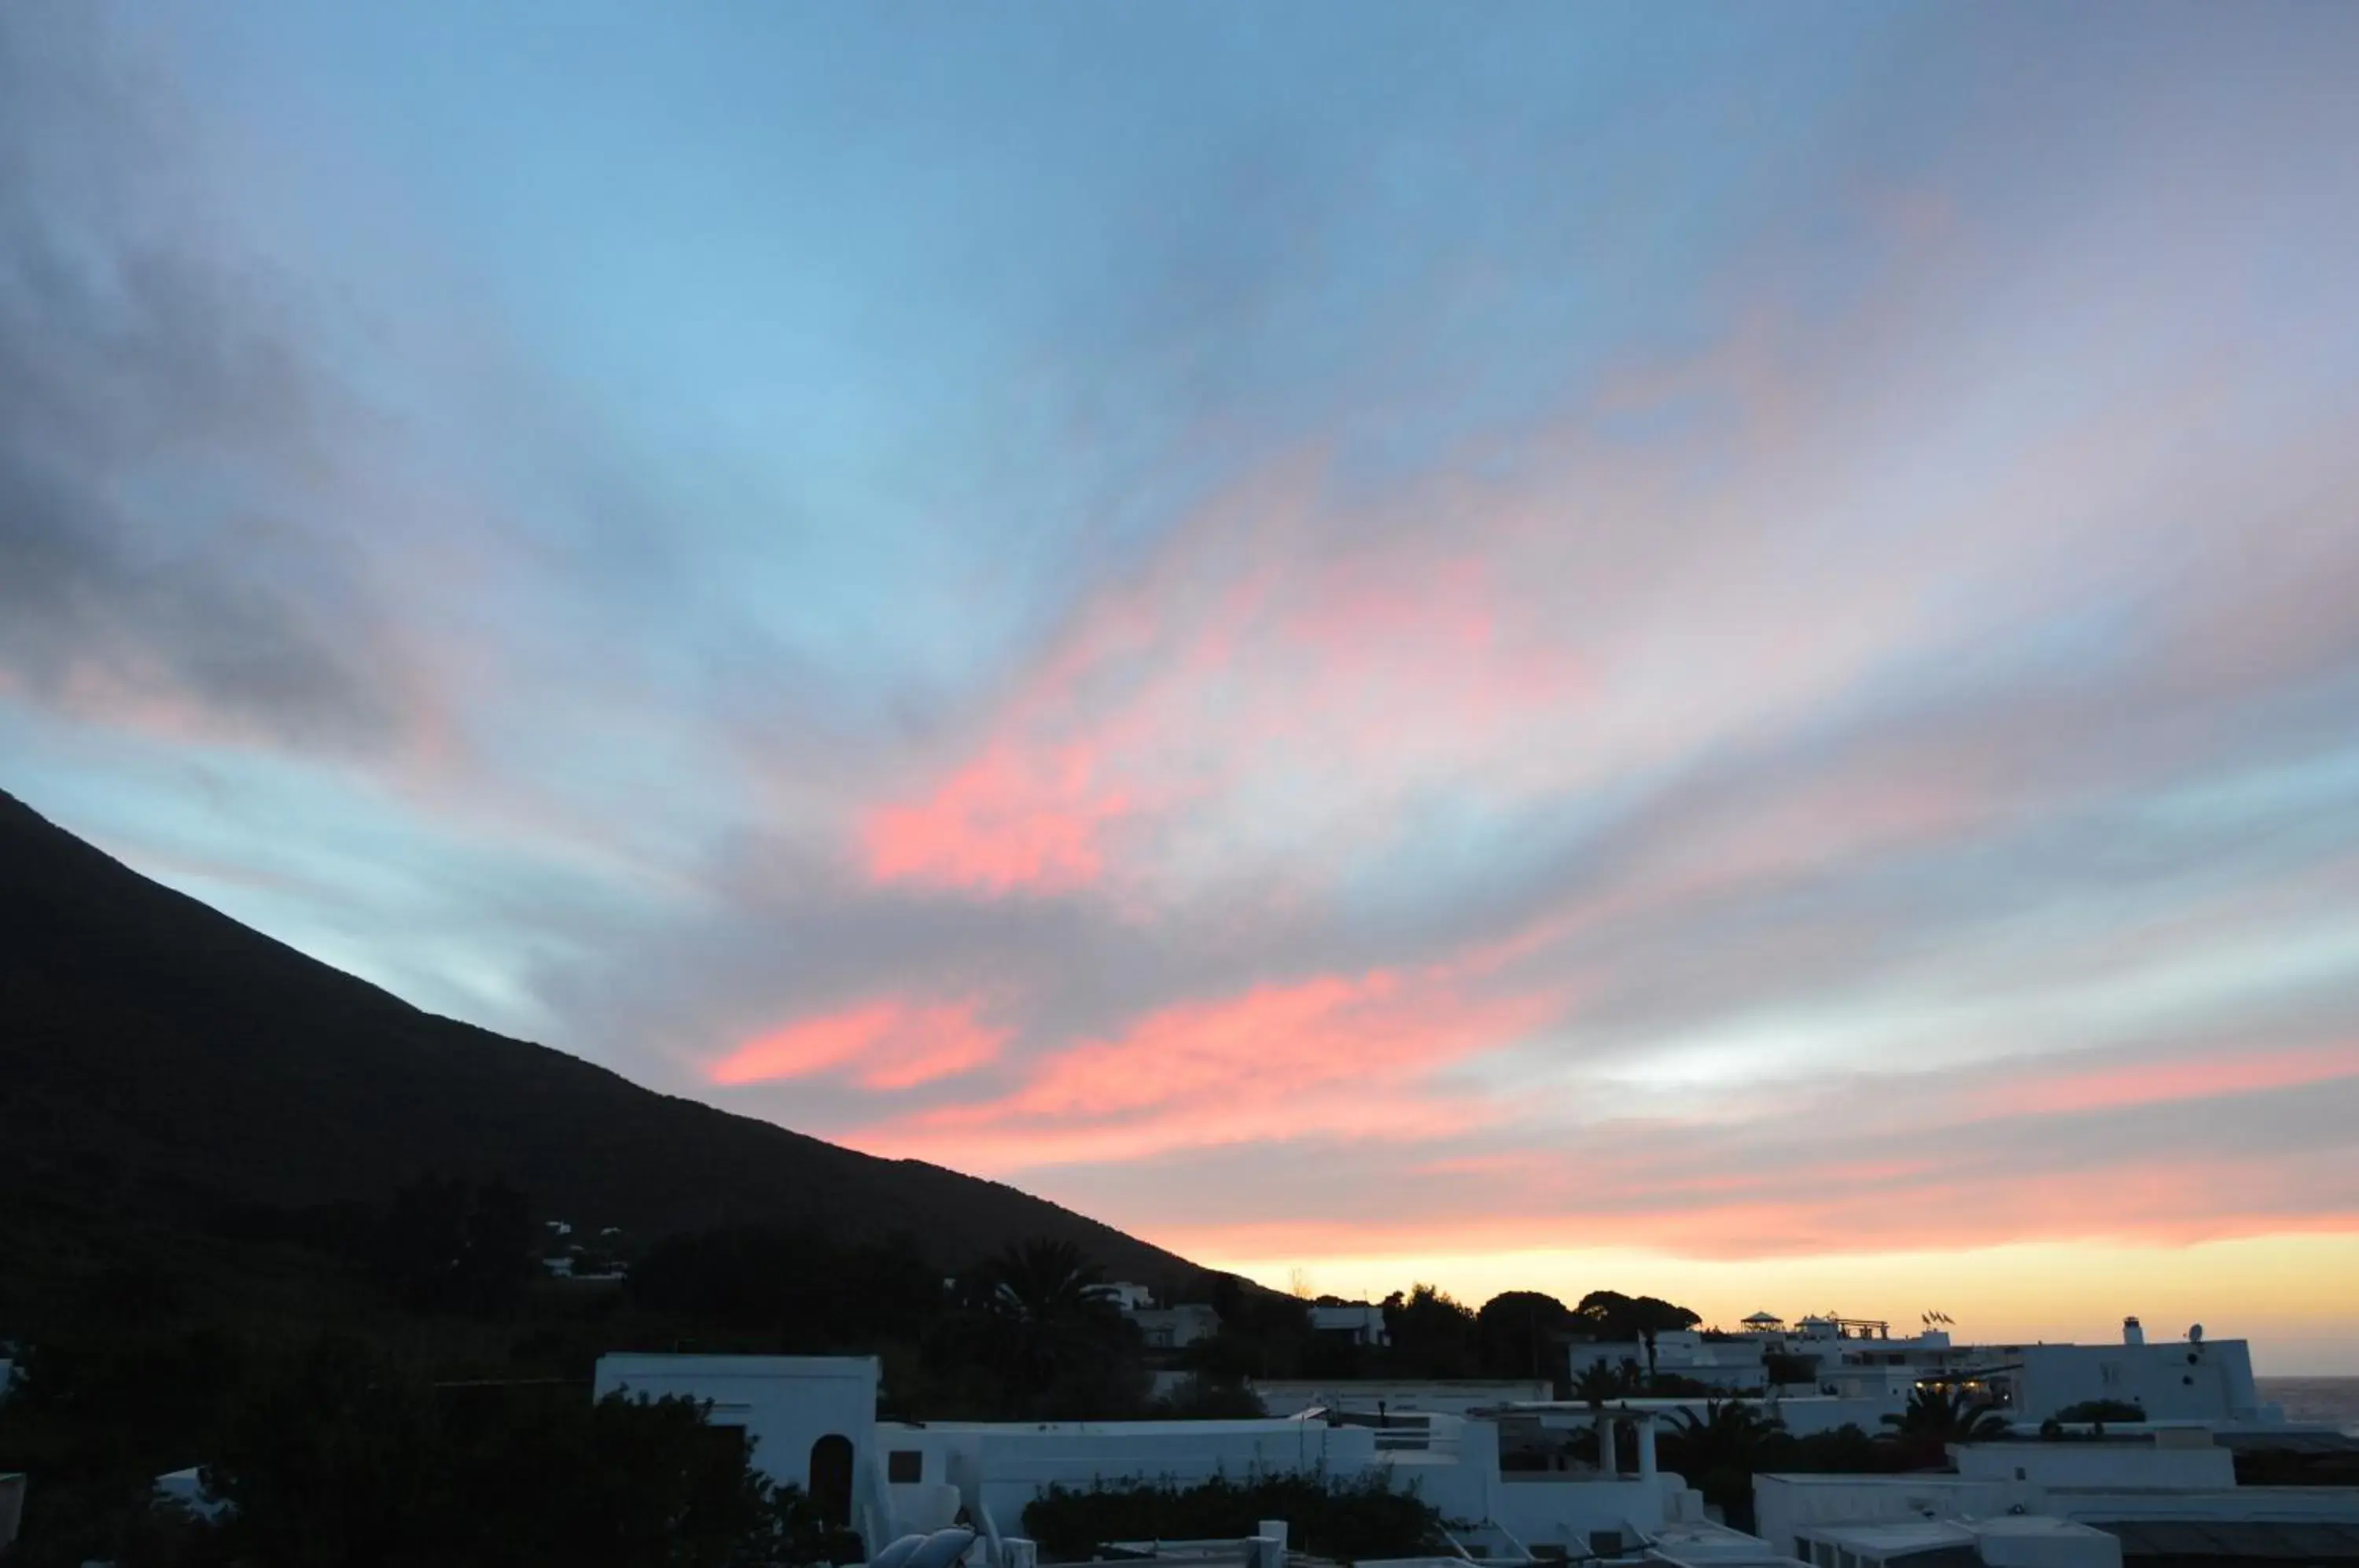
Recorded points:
(2334, 1399)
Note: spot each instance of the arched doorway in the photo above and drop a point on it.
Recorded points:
(830, 1478)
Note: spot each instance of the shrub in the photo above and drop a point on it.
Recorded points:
(1344, 1520)
(2102, 1410)
(1203, 1399)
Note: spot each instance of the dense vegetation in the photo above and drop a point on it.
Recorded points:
(1520, 1334)
(1721, 1448)
(1023, 1334)
(339, 1454)
(2101, 1410)
(1326, 1517)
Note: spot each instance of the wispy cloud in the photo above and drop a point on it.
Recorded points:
(178, 540)
(1750, 661)
(887, 1044)
(1353, 1056)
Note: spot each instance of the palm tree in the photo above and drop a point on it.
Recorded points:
(1047, 1313)
(1729, 1435)
(1719, 1452)
(1043, 1280)
(1949, 1415)
(1598, 1383)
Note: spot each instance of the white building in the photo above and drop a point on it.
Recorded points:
(1802, 1415)
(2191, 1380)
(812, 1420)
(1396, 1395)
(1123, 1293)
(2008, 1541)
(2164, 1492)
(2170, 1492)
(1707, 1545)
(1169, 1328)
(1868, 1372)
(1361, 1323)
(1162, 1328)
(1734, 1363)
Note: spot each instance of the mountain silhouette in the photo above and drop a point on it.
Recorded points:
(161, 1065)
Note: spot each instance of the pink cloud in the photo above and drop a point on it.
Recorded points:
(1335, 1056)
(1190, 719)
(2116, 1150)
(1274, 690)
(1010, 818)
(883, 1045)
(2154, 1082)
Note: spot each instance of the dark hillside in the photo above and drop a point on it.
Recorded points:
(161, 1063)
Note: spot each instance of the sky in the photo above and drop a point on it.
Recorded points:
(1702, 649)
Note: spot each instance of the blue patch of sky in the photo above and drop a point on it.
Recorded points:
(813, 277)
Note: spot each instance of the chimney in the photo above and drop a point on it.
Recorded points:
(2132, 1333)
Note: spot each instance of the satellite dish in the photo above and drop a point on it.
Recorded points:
(2195, 1334)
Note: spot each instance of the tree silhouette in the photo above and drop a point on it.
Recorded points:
(1038, 1317)
(1046, 1281)
(1432, 1333)
(1718, 1451)
(1521, 1333)
(1949, 1415)
(1729, 1433)
(1597, 1383)
(1611, 1315)
(347, 1457)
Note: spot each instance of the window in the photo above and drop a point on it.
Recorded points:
(2109, 1373)
(905, 1467)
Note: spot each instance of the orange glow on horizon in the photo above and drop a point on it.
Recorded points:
(2289, 1294)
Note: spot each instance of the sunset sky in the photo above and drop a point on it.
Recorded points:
(1700, 650)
